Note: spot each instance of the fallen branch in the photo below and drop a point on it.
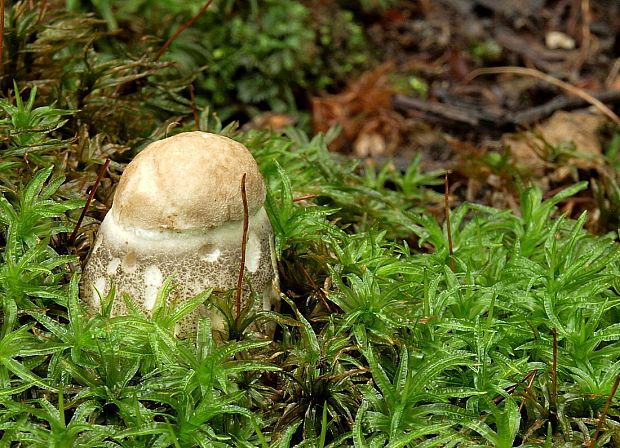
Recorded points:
(564, 102)
(472, 117)
(551, 80)
(450, 112)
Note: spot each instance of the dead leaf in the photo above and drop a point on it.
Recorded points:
(363, 110)
(270, 121)
(567, 139)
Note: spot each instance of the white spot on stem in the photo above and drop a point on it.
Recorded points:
(153, 280)
(113, 266)
(212, 256)
(98, 290)
(150, 295)
(252, 253)
(153, 276)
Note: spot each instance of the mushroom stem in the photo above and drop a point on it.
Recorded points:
(244, 240)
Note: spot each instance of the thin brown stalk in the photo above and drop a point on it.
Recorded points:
(305, 197)
(182, 28)
(243, 244)
(78, 224)
(554, 369)
(510, 389)
(551, 80)
(1, 36)
(584, 49)
(530, 383)
(42, 10)
(603, 416)
(446, 203)
(194, 107)
(613, 74)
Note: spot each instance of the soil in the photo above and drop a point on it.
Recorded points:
(497, 93)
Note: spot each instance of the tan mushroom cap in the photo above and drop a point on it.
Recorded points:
(189, 181)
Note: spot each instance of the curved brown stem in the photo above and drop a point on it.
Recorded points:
(182, 28)
(78, 224)
(244, 242)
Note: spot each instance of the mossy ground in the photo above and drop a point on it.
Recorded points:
(397, 331)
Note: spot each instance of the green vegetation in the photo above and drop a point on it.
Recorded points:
(380, 342)
(247, 56)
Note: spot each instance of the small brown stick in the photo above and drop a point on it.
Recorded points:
(182, 28)
(528, 389)
(585, 34)
(443, 111)
(613, 73)
(243, 244)
(194, 107)
(42, 10)
(562, 102)
(446, 202)
(510, 389)
(551, 80)
(100, 174)
(554, 369)
(303, 198)
(1, 36)
(603, 416)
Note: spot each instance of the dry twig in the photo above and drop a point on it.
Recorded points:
(446, 199)
(182, 28)
(554, 371)
(551, 80)
(194, 107)
(244, 241)
(603, 415)
(585, 34)
(78, 224)
(1, 36)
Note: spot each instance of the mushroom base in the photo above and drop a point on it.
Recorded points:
(137, 262)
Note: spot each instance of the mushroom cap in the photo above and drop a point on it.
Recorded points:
(190, 181)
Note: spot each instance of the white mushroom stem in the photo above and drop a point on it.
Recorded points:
(167, 241)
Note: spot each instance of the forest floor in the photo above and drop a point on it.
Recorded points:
(494, 93)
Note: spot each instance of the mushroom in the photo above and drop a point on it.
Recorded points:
(178, 210)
